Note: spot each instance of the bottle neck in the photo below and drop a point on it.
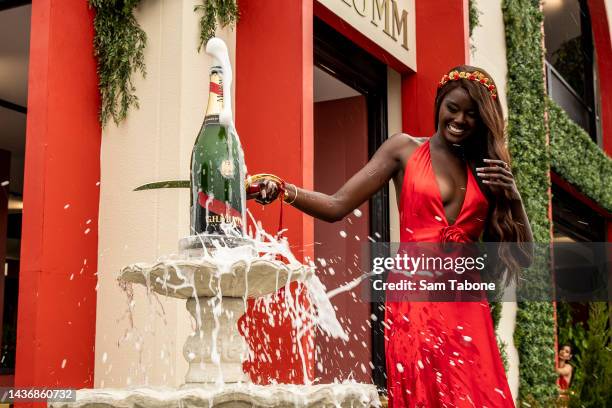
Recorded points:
(215, 95)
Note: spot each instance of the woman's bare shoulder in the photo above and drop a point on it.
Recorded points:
(403, 144)
(407, 140)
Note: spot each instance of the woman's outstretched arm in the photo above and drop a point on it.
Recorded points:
(385, 164)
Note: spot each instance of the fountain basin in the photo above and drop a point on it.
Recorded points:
(239, 395)
(241, 279)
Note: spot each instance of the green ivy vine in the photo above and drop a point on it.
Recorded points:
(474, 16)
(119, 44)
(224, 11)
(534, 335)
(577, 159)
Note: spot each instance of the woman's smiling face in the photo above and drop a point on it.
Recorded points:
(565, 353)
(458, 116)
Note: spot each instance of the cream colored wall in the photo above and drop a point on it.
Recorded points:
(153, 144)
(394, 123)
(489, 53)
(505, 332)
(489, 46)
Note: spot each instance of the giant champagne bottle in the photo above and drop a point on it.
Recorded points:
(217, 163)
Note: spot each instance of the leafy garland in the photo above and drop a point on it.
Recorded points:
(474, 16)
(577, 159)
(534, 335)
(225, 11)
(119, 45)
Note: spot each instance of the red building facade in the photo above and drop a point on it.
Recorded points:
(63, 152)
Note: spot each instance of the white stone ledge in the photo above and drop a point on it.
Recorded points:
(344, 395)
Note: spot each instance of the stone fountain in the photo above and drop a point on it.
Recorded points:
(215, 297)
(215, 290)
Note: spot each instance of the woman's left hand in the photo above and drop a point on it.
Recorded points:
(499, 177)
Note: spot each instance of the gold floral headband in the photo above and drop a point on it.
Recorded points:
(476, 76)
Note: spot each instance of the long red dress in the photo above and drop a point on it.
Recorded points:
(441, 354)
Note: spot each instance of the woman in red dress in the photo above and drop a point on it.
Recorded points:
(565, 371)
(457, 186)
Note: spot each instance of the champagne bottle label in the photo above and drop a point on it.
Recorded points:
(215, 162)
(212, 119)
(216, 88)
(219, 212)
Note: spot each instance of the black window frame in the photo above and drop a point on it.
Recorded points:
(587, 96)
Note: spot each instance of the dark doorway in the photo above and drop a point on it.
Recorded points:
(361, 108)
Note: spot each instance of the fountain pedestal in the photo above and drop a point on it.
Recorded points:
(216, 298)
(215, 351)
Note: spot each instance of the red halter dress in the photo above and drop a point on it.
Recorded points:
(441, 354)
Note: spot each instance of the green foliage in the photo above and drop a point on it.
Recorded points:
(577, 159)
(534, 335)
(119, 47)
(534, 338)
(593, 362)
(548, 402)
(474, 15)
(573, 333)
(165, 184)
(526, 129)
(570, 331)
(496, 308)
(225, 11)
(503, 352)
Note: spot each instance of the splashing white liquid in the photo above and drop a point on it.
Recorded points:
(261, 246)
